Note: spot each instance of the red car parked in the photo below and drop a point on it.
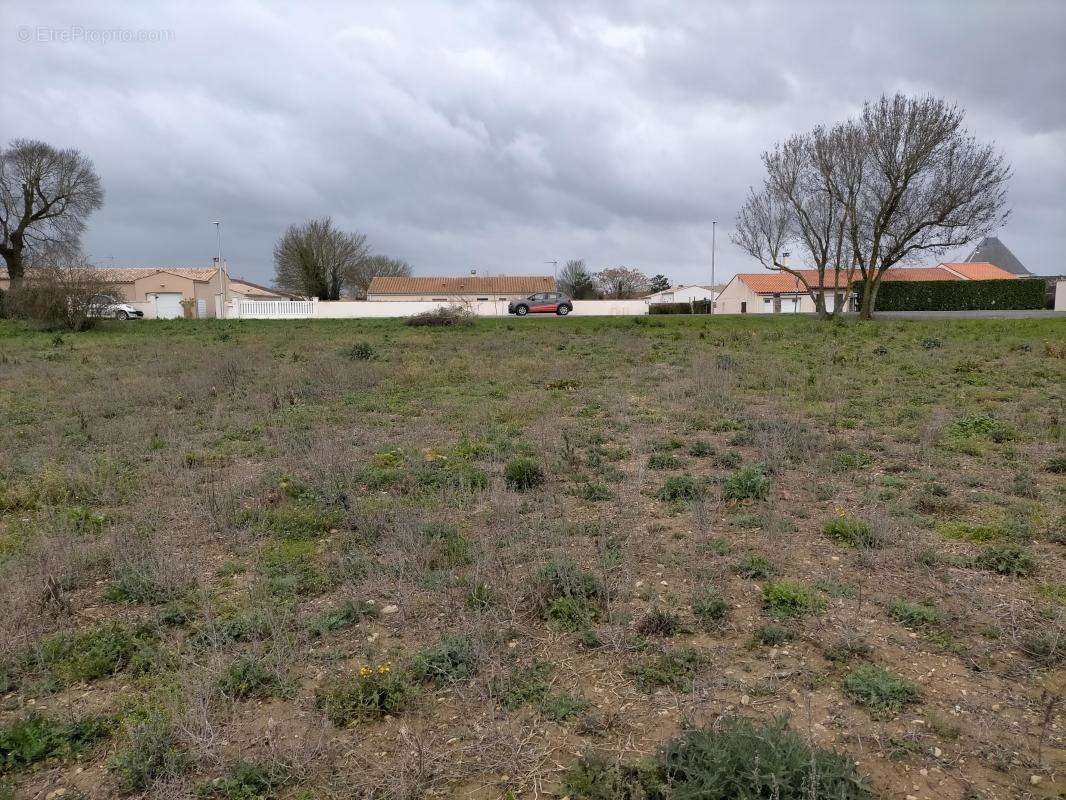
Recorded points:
(542, 303)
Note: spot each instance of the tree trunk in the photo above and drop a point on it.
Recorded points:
(15, 266)
(819, 305)
(869, 296)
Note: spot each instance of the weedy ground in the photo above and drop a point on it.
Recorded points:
(355, 559)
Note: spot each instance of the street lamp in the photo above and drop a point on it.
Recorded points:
(555, 268)
(714, 226)
(221, 268)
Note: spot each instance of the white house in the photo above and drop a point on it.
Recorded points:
(682, 294)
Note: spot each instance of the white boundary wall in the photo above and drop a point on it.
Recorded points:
(363, 309)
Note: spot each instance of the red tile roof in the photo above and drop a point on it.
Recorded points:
(784, 282)
(471, 284)
(980, 270)
(131, 274)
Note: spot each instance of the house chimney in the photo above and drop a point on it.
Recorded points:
(784, 258)
(473, 272)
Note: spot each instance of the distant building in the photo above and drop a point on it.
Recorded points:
(993, 251)
(682, 294)
(781, 292)
(468, 288)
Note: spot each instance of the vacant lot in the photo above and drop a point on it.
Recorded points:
(314, 560)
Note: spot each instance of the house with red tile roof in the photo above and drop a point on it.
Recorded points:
(781, 292)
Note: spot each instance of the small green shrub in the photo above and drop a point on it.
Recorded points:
(916, 617)
(773, 635)
(1056, 465)
(879, 690)
(443, 317)
(26, 741)
(852, 532)
(664, 461)
(747, 483)
(737, 760)
(249, 781)
(291, 569)
(522, 474)
(756, 567)
(369, 694)
(790, 599)
(448, 548)
(301, 521)
(480, 597)
(980, 426)
(700, 449)
(567, 595)
(674, 669)
(679, 488)
(253, 675)
(139, 584)
(972, 532)
(343, 616)
(658, 622)
(710, 607)
(360, 351)
(154, 751)
(562, 706)
(730, 459)
(453, 658)
(846, 649)
(91, 654)
(595, 491)
(1007, 559)
(525, 684)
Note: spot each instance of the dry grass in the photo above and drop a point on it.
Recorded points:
(261, 512)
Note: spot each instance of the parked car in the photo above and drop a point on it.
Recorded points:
(104, 306)
(542, 303)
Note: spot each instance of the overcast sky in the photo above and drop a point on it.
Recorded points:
(500, 135)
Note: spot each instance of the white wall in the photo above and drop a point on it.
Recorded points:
(366, 309)
(1060, 295)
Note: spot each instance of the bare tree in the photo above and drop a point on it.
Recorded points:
(576, 280)
(376, 267)
(622, 283)
(46, 195)
(58, 289)
(797, 211)
(914, 183)
(316, 259)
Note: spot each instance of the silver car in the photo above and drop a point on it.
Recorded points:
(104, 306)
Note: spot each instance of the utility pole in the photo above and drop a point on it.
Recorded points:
(222, 276)
(714, 225)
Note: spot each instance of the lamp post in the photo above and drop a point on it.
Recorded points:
(714, 226)
(222, 276)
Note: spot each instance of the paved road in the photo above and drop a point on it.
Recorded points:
(967, 314)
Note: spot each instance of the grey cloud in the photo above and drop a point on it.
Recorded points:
(501, 134)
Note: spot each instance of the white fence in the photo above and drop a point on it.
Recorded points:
(275, 309)
(366, 309)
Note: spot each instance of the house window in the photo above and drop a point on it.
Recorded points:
(743, 306)
(480, 299)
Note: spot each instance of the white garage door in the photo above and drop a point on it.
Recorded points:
(168, 305)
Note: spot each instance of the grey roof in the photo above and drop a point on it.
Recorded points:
(995, 252)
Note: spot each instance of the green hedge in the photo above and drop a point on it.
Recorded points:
(696, 307)
(1008, 293)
